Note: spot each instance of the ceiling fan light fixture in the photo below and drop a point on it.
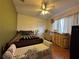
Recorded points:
(44, 12)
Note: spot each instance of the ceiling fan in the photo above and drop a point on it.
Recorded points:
(42, 6)
(46, 7)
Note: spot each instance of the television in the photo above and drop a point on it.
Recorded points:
(74, 43)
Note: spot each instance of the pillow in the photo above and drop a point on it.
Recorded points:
(12, 49)
(7, 55)
(48, 43)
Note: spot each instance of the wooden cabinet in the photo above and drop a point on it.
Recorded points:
(61, 40)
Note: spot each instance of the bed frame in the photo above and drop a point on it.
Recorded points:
(21, 42)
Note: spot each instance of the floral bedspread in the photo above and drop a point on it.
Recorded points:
(34, 54)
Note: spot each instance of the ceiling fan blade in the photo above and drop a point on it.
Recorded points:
(38, 10)
(51, 5)
(48, 8)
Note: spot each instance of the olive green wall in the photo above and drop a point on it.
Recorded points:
(7, 22)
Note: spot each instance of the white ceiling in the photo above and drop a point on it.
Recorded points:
(30, 7)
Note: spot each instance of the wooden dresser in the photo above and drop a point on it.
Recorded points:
(61, 40)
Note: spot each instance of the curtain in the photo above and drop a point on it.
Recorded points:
(60, 25)
(64, 25)
(78, 18)
(54, 26)
(68, 22)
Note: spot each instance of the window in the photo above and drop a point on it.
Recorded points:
(58, 25)
(63, 25)
(54, 26)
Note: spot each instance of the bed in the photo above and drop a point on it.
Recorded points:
(37, 51)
